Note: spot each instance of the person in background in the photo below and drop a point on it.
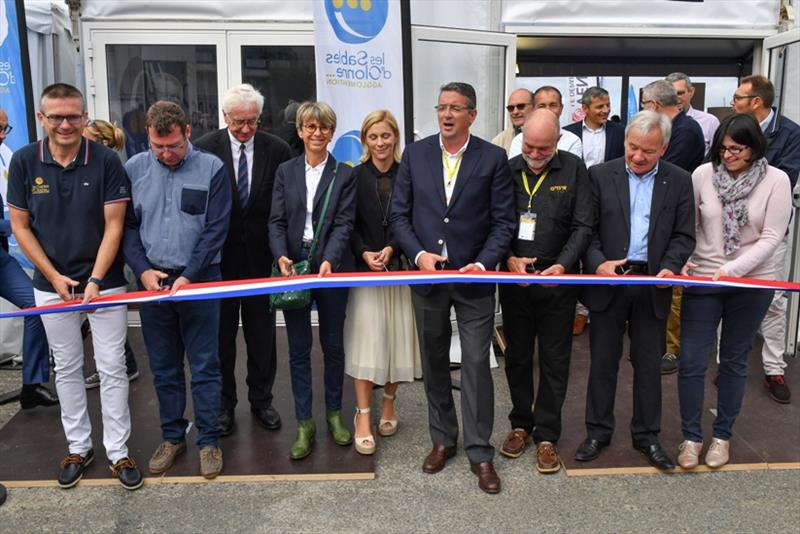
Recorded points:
(549, 97)
(685, 90)
(520, 103)
(380, 337)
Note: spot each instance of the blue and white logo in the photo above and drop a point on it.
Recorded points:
(357, 21)
(348, 148)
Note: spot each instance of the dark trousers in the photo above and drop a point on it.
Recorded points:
(475, 319)
(545, 314)
(741, 312)
(17, 288)
(631, 305)
(171, 329)
(331, 307)
(258, 325)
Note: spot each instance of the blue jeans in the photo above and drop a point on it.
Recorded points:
(169, 330)
(16, 287)
(741, 312)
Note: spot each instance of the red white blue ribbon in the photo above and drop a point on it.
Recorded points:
(265, 286)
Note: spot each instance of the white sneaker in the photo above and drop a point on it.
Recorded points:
(718, 453)
(689, 454)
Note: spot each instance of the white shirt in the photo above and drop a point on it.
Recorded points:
(594, 144)
(313, 177)
(708, 123)
(568, 142)
(765, 123)
(249, 149)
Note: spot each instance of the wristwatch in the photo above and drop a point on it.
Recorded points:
(97, 281)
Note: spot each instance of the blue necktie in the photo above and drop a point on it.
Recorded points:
(241, 180)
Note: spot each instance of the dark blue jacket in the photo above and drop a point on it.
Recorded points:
(687, 146)
(615, 138)
(783, 145)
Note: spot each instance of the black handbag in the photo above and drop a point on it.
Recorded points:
(295, 300)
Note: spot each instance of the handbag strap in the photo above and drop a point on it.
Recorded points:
(318, 231)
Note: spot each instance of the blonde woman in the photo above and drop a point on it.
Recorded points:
(380, 337)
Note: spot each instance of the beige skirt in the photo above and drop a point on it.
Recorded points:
(380, 335)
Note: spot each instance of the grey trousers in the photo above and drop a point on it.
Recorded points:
(475, 319)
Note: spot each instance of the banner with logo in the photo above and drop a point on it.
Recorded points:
(359, 58)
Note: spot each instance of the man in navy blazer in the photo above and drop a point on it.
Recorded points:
(643, 224)
(453, 208)
(602, 139)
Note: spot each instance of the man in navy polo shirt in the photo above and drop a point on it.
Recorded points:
(67, 197)
(173, 236)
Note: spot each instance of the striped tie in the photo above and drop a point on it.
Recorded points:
(241, 180)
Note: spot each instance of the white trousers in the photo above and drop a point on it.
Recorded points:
(773, 327)
(109, 330)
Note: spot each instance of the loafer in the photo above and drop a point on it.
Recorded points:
(210, 461)
(488, 480)
(689, 454)
(34, 395)
(590, 449)
(306, 430)
(128, 474)
(547, 459)
(267, 417)
(226, 421)
(437, 458)
(579, 325)
(656, 456)
(515, 443)
(669, 364)
(718, 453)
(336, 427)
(73, 467)
(164, 456)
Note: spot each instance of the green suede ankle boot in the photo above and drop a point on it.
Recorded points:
(305, 437)
(337, 429)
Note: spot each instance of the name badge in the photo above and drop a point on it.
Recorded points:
(527, 226)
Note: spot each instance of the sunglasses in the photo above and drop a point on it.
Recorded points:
(518, 107)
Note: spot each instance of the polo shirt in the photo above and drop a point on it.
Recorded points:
(66, 206)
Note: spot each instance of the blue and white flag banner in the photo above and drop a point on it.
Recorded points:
(359, 60)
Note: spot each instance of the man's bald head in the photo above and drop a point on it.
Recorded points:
(540, 135)
(520, 103)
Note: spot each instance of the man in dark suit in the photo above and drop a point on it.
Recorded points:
(251, 158)
(643, 224)
(453, 206)
(601, 139)
(686, 147)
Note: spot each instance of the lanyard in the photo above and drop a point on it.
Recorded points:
(535, 188)
(451, 173)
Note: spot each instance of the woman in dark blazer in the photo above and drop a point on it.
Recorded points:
(380, 332)
(297, 201)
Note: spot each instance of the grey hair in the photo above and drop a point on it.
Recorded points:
(242, 95)
(462, 88)
(678, 76)
(592, 93)
(645, 121)
(662, 92)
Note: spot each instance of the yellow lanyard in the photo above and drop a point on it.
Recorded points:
(451, 173)
(535, 188)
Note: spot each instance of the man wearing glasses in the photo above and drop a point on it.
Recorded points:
(549, 97)
(520, 103)
(461, 214)
(174, 233)
(251, 158)
(67, 197)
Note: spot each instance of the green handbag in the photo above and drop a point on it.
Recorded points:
(295, 300)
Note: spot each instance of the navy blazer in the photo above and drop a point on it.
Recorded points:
(479, 222)
(615, 138)
(670, 239)
(288, 214)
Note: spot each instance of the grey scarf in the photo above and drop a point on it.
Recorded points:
(733, 193)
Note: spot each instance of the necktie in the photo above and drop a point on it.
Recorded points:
(241, 180)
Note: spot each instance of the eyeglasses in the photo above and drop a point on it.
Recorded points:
(648, 102)
(56, 120)
(681, 93)
(519, 107)
(171, 148)
(442, 108)
(311, 128)
(238, 123)
(735, 150)
(6, 129)
(736, 97)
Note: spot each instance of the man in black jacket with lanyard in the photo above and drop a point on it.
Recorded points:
(553, 202)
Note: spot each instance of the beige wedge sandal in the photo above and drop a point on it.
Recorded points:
(364, 444)
(387, 427)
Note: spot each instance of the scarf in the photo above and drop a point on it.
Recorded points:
(733, 193)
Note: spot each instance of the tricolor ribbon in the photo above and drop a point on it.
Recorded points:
(266, 286)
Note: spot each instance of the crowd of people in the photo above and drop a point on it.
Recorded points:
(594, 197)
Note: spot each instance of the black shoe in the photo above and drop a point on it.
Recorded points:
(267, 417)
(128, 474)
(72, 468)
(225, 420)
(590, 449)
(656, 456)
(669, 364)
(34, 395)
(3, 494)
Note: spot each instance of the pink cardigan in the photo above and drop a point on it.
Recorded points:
(769, 211)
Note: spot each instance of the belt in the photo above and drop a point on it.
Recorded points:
(170, 272)
(634, 267)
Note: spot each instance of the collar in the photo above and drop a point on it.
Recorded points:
(586, 127)
(650, 174)
(235, 143)
(767, 120)
(82, 158)
(320, 167)
(460, 150)
(518, 163)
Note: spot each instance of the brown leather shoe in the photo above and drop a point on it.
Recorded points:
(547, 460)
(437, 458)
(488, 480)
(579, 325)
(515, 443)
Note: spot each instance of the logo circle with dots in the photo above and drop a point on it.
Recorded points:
(357, 21)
